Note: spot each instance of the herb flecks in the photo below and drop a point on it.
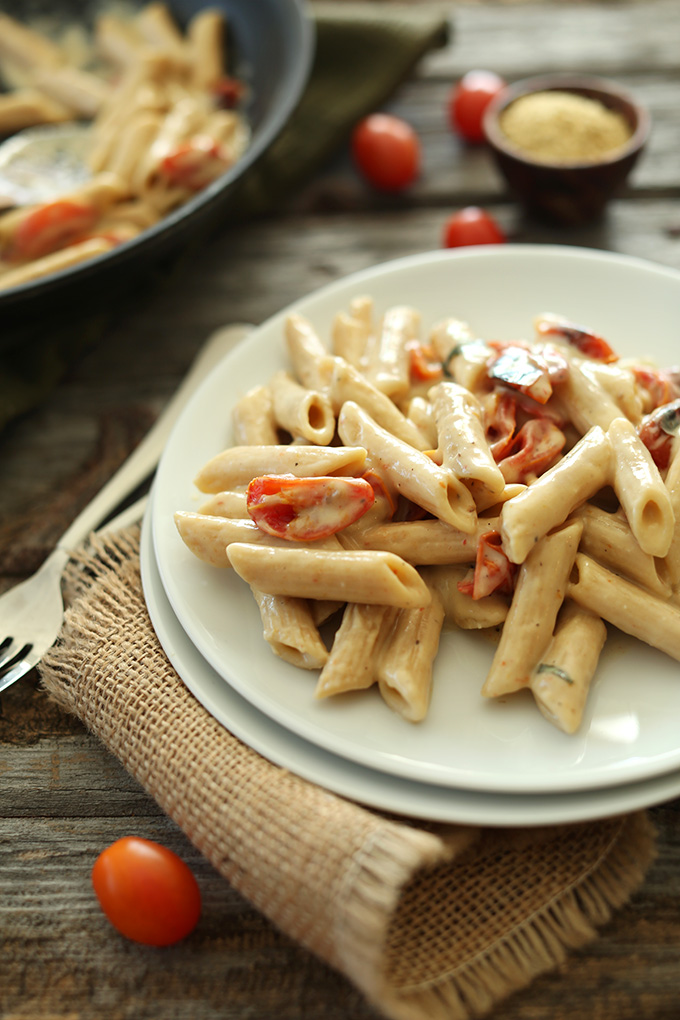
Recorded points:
(546, 667)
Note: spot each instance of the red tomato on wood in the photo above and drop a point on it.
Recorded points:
(471, 226)
(468, 101)
(386, 151)
(146, 891)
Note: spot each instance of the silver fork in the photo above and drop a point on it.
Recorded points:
(32, 612)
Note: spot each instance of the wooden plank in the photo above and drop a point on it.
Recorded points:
(519, 40)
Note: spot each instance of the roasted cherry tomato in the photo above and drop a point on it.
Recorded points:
(305, 509)
(50, 227)
(471, 226)
(522, 369)
(585, 341)
(493, 571)
(468, 101)
(195, 164)
(532, 451)
(424, 365)
(657, 384)
(658, 430)
(146, 891)
(386, 151)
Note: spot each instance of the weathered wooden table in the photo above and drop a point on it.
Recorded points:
(62, 796)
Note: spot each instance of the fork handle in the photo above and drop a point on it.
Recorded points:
(145, 456)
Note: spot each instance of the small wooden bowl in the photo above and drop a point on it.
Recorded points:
(568, 193)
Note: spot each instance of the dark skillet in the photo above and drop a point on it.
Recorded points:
(271, 42)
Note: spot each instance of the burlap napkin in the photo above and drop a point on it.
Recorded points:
(363, 52)
(431, 922)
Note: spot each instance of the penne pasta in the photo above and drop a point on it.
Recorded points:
(561, 681)
(633, 610)
(411, 472)
(545, 504)
(405, 661)
(353, 659)
(240, 464)
(462, 442)
(539, 593)
(640, 488)
(289, 629)
(372, 577)
(302, 412)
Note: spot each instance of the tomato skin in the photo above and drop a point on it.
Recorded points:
(469, 99)
(471, 225)
(146, 891)
(51, 226)
(387, 151)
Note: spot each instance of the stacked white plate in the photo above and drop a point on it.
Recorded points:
(472, 760)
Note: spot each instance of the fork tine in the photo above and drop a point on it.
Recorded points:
(16, 671)
(9, 649)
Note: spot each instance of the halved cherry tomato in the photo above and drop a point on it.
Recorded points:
(587, 342)
(147, 892)
(387, 151)
(523, 370)
(471, 225)
(424, 365)
(532, 451)
(469, 99)
(51, 226)
(493, 570)
(658, 386)
(500, 414)
(305, 509)
(195, 164)
(658, 430)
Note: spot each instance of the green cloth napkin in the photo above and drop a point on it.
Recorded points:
(363, 52)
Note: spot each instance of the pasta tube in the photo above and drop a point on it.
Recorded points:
(372, 577)
(348, 384)
(405, 664)
(539, 593)
(640, 489)
(302, 412)
(289, 629)
(561, 681)
(253, 418)
(608, 538)
(352, 662)
(548, 501)
(208, 537)
(412, 473)
(239, 465)
(466, 612)
(422, 542)
(386, 362)
(311, 361)
(462, 442)
(633, 610)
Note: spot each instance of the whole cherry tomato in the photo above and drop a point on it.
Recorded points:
(469, 99)
(146, 891)
(386, 151)
(471, 226)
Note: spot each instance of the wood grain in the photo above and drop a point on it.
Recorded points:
(62, 796)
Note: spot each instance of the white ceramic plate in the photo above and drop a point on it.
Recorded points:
(366, 786)
(630, 731)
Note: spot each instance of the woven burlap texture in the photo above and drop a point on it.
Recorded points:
(431, 922)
